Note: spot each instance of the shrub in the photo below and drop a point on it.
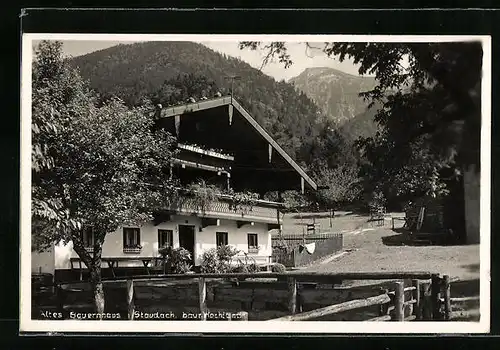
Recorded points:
(240, 269)
(165, 251)
(377, 201)
(278, 268)
(179, 261)
(253, 267)
(210, 261)
(225, 254)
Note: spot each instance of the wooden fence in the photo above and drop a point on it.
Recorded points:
(292, 256)
(427, 298)
(294, 240)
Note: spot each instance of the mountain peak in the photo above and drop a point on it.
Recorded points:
(334, 91)
(323, 70)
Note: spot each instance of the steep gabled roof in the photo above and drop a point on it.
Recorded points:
(230, 109)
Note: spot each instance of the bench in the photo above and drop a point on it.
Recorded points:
(313, 227)
(114, 261)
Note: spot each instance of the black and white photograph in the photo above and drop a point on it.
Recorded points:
(283, 183)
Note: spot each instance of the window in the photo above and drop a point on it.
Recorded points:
(131, 239)
(88, 238)
(165, 238)
(221, 238)
(253, 245)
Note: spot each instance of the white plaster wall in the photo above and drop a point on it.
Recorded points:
(43, 262)
(237, 237)
(206, 239)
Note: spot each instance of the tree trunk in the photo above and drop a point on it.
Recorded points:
(95, 276)
(97, 287)
(94, 266)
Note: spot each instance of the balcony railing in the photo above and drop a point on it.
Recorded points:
(199, 150)
(224, 207)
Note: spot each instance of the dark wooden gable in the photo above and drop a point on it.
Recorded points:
(259, 165)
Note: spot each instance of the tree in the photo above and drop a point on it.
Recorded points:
(95, 165)
(440, 87)
(342, 182)
(431, 104)
(183, 87)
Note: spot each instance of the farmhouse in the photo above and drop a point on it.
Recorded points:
(218, 143)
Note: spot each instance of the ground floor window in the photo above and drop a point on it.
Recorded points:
(131, 239)
(165, 238)
(253, 244)
(88, 238)
(221, 238)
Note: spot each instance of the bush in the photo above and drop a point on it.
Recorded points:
(253, 267)
(225, 254)
(278, 268)
(240, 269)
(218, 260)
(210, 261)
(179, 261)
(377, 201)
(165, 251)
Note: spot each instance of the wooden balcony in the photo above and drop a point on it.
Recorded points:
(225, 208)
(211, 153)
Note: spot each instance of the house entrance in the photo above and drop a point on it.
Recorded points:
(186, 239)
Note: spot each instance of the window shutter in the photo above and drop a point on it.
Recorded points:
(124, 237)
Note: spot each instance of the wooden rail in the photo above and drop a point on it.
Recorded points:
(393, 304)
(299, 276)
(333, 309)
(426, 301)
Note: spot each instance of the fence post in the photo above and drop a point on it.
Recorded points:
(300, 298)
(425, 303)
(243, 316)
(202, 291)
(399, 301)
(447, 297)
(60, 298)
(130, 299)
(292, 295)
(417, 311)
(383, 308)
(436, 296)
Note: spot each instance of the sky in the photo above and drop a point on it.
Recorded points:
(301, 56)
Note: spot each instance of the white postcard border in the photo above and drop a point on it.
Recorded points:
(70, 326)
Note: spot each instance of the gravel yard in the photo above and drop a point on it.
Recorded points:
(381, 250)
